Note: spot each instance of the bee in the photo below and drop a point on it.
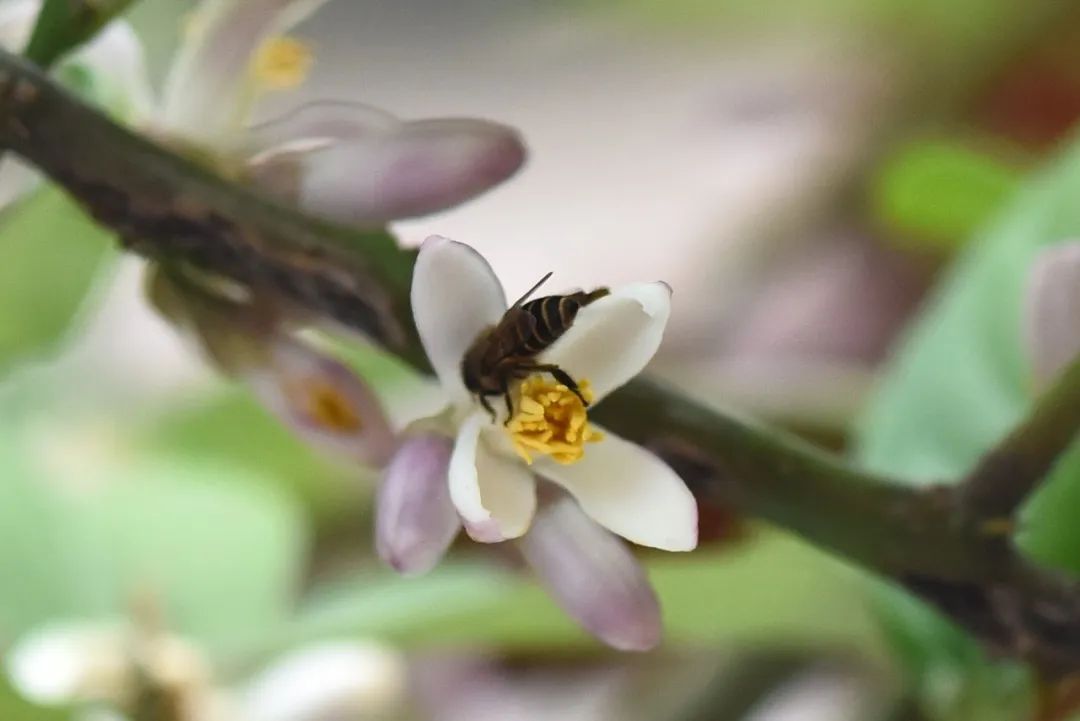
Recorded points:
(507, 351)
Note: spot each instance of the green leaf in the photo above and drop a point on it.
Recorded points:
(220, 548)
(939, 192)
(50, 255)
(14, 708)
(771, 590)
(62, 25)
(961, 380)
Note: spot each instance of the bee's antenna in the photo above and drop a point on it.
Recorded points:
(532, 290)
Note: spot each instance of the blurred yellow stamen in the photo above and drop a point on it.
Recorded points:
(550, 419)
(281, 63)
(325, 405)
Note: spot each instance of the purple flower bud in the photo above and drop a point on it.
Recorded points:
(593, 576)
(415, 520)
(323, 401)
(1052, 316)
(358, 165)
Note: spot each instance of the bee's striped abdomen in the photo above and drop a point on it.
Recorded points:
(553, 315)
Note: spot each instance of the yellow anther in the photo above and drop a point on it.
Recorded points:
(551, 420)
(281, 63)
(325, 406)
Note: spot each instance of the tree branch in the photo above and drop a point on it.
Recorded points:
(167, 208)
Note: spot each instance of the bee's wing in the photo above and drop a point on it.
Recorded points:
(511, 334)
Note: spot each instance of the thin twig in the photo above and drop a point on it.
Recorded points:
(167, 208)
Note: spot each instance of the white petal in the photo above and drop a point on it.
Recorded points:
(332, 680)
(415, 520)
(455, 296)
(71, 662)
(205, 94)
(614, 338)
(593, 576)
(495, 496)
(631, 492)
(1052, 317)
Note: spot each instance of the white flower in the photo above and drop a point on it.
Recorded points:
(495, 462)
(107, 668)
(343, 161)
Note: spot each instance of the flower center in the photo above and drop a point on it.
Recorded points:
(551, 419)
(326, 407)
(281, 63)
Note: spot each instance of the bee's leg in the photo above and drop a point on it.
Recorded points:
(487, 406)
(509, 402)
(563, 377)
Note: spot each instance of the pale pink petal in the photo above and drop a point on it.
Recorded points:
(323, 401)
(455, 297)
(631, 492)
(360, 166)
(415, 520)
(593, 576)
(495, 496)
(1052, 315)
(615, 337)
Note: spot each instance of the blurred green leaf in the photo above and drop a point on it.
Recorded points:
(63, 25)
(938, 193)
(961, 380)
(221, 549)
(232, 427)
(14, 708)
(772, 590)
(218, 547)
(37, 562)
(50, 256)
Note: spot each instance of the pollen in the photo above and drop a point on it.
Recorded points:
(326, 407)
(281, 63)
(551, 420)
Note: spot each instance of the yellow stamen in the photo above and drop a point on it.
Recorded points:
(326, 406)
(551, 420)
(281, 63)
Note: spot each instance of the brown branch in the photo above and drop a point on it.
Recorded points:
(167, 208)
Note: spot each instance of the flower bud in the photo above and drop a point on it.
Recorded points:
(360, 166)
(323, 401)
(415, 519)
(593, 576)
(1052, 314)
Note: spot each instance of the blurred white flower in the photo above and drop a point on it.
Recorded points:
(1052, 313)
(116, 671)
(343, 161)
(492, 471)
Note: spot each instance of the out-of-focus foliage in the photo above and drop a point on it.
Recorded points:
(770, 590)
(176, 529)
(936, 194)
(50, 255)
(957, 386)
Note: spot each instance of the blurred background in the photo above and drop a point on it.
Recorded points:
(844, 195)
